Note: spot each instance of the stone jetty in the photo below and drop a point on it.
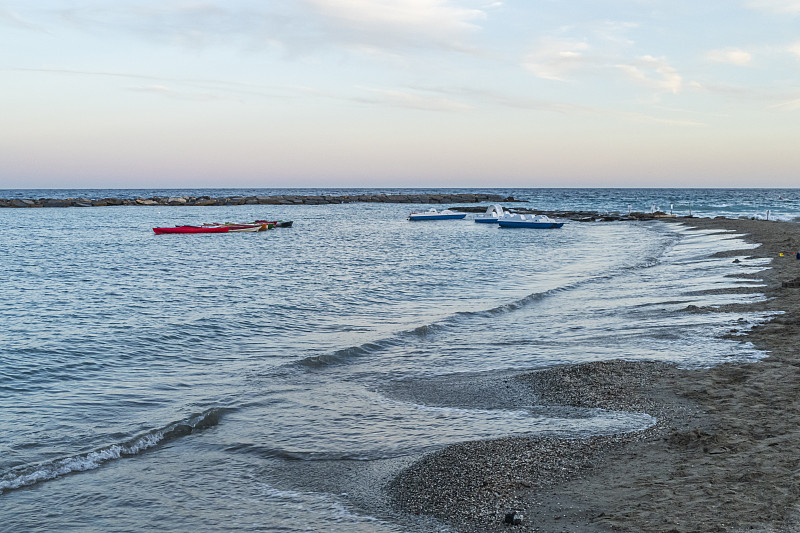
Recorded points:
(257, 200)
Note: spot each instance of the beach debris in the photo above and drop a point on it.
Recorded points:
(514, 517)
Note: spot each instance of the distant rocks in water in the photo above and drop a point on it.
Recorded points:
(258, 200)
(450, 199)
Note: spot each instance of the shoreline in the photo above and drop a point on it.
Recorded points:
(724, 454)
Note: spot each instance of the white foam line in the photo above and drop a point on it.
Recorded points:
(95, 459)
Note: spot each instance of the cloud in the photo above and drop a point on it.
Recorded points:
(641, 117)
(732, 56)
(168, 92)
(788, 105)
(654, 73)
(614, 31)
(411, 100)
(783, 7)
(13, 19)
(296, 27)
(483, 97)
(555, 59)
(794, 49)
(399, 23)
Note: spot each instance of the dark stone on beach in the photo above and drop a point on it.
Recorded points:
(513, 518)
(22, 203)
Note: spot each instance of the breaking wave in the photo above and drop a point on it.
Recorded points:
(30, 475)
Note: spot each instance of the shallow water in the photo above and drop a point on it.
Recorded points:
(170, 382)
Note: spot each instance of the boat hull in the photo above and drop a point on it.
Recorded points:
(487, 220)
(236, 229)
(276, 223)
(526, 224)
(423, 216)
(192, 229)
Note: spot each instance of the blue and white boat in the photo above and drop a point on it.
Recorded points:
(433, 214)
(528, 221)
(492, 215)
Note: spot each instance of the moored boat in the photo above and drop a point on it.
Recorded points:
(192, 229)
(433, 214)
(234, 226)
(528, 221)
(492, 215)
(276, 223)
(244, 227)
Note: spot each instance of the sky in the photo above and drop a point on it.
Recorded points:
(414, 93)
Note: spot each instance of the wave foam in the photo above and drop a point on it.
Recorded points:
(30, 475)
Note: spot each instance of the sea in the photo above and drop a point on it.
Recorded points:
(273, 381)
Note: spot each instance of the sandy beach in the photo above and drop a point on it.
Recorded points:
(724, 454)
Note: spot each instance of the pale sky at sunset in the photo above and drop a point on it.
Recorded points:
(374, 93)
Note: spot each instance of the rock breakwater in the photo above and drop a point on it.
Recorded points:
(255, 200)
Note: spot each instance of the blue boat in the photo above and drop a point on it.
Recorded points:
(492, 215)
(433, 214)
(528, 221)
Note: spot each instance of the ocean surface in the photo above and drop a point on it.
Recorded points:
(249, 382)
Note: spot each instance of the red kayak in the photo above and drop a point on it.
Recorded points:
(193, 229)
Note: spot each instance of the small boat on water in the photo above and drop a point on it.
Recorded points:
(227, 227)
(492, 215)
(192, 229)
(244, 227)
(433, 214)
(232, 226)
(275, 223)
(209, 228)
(528, 221)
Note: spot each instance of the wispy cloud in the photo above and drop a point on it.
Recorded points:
(654, 73)
(731, 56)
(482, 98)
(555, 59)
(410, 100)
(791, 7)
(198, 89)
(175, 94)
(792, 104)
(400, 23)
(794, 49)
(614, 31)
(641, 117)
(15, 20)
(298, 27)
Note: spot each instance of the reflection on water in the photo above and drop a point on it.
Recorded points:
(112, 334)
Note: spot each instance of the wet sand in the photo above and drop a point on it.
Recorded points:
(723, 456)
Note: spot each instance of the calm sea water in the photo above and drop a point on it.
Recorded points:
(242, 382)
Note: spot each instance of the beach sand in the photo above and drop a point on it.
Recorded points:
(723, 456)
